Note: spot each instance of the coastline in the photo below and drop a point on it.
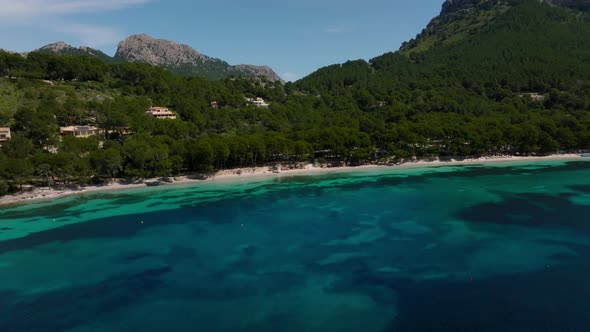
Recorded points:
(47, 194)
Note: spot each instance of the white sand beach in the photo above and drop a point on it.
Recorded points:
(43, 194)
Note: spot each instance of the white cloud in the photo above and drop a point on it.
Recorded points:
(36, 8)
(57, 16)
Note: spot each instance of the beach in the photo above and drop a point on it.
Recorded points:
(44, 193)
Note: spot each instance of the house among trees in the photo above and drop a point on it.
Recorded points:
(258, 102)
(4, 134)
(160, 113)
(121, 130)
(534, 96)
(214, 105)
(80, 131)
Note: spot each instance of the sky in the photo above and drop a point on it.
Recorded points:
(294, 37)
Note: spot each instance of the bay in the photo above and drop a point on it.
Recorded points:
(494, 247)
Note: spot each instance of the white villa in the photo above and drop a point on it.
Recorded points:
(4, 134)
(80, 131)
(160, 113)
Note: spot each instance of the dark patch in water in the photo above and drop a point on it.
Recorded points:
(549, 300)
(567, 195)
(111, 227)
(235, 283)
(554, 298)
(581, 188)
(132, 257)
(563, 257)
(277, 282)
(530, 209)
(50, 211)
(180, 253)
(249, 250)
(67, 308)
(123, 199)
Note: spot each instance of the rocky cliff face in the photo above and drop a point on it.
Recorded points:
(259, 71)
(56, 48)
(183, 59)
(158, 52)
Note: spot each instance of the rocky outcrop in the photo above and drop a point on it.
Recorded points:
(259, 71)
(61, 48)
(158, 52)
(183, 59)
(57, 48)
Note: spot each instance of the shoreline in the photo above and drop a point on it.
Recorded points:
(261, 172)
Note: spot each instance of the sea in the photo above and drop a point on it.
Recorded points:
(485, 247)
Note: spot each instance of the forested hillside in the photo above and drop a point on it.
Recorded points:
(518, 83)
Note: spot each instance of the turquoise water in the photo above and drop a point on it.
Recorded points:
(502, 247)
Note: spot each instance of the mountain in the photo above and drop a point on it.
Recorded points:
(159, 52)
(518, 44)
(61, 48)
(258, 71)
(183, 59)
(484, 77)
(179, 58)
(458, 18)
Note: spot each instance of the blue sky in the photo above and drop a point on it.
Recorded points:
(293, 37)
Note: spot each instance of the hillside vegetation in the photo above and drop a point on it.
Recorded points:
(516, 83)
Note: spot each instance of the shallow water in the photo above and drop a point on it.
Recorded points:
(502, 247)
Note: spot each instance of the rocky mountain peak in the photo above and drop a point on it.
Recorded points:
(259, 71)
(61, 48)
(183, 59)
(157, 52)
(179, 58)
(57, 47)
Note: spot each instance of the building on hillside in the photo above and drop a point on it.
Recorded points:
(121, 130)
(214, 105)
(4, 134)
(535, 96)
(258, 102)
(80, 131)
(160, 113)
